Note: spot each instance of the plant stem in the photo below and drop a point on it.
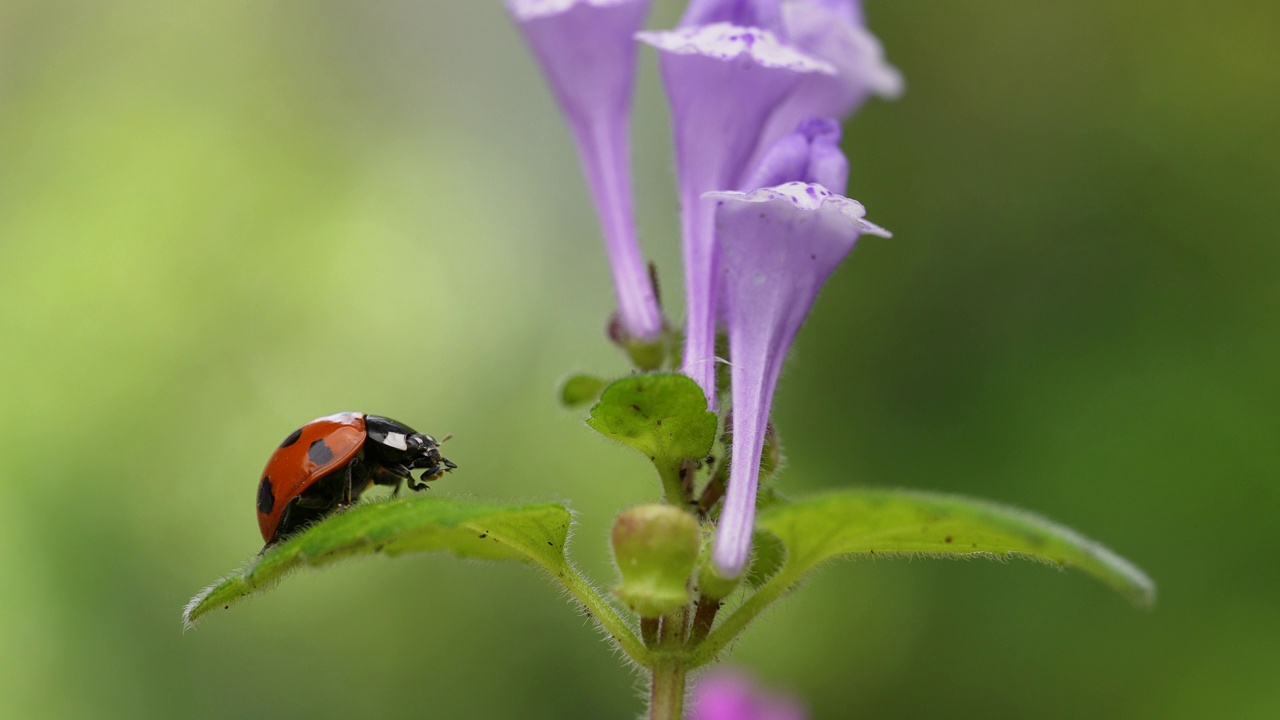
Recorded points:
(666, 697)
(604, 614)
(687, 469)
(705, 652)
(714, 490)
(703, 619)
(649, 631)
(672, 484)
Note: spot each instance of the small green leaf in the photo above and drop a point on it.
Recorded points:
(529, 533)
(580, 389)
(663, 415)
(872, 522)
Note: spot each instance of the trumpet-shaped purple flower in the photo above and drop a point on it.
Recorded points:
(833, 31)
(587, 51)
(777, 246)
(729, 695)
(722, 81)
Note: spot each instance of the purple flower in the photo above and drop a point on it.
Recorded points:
(810, 153)
(722, 81)
(587, 51)
(777, 247)
(833, 31)
(730, 695)
(763, 14)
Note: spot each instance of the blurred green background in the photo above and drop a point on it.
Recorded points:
(221, 219)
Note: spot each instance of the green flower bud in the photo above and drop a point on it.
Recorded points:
(656, 548)
(711, 584)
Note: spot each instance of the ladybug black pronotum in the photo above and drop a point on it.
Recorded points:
(327, 463)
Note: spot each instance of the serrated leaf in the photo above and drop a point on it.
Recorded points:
(528, 533)
(876, 522)
(663, 415)
(580, 389)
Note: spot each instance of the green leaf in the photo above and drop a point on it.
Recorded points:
(529, 533)
(876, 523)
(580, 389)
(768, 557)
(663, 415)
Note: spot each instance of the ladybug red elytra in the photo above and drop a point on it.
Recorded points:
(325, 465)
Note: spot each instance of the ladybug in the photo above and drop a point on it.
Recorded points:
(325, 465)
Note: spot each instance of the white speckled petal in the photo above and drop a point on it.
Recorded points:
(808, 197)
(725, 41)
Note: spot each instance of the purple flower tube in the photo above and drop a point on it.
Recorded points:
(587, 51)
(722, 82)
(778, 246)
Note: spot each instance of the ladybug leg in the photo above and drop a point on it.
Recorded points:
(416, 485)
(398, 473)
(349, 482)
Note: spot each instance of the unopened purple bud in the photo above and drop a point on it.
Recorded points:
(809, 154)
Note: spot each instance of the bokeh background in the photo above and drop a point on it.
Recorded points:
(221, 219)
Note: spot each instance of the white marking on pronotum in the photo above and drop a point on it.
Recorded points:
(396, 440)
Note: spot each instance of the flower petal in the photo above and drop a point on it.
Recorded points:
(763, 14)
(722, 83)
(810, 153)
(732, 695)
(587, 51)
(777, 247)
(833, 31)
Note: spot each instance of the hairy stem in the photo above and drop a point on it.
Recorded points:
(649, 631)
(605, 615)
(714, 490)
(666, 696)
(703, 618)
(704, 652)
(673, 484)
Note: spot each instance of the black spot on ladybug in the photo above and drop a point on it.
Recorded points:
(319, 453)
(293, 438)
(266, 498)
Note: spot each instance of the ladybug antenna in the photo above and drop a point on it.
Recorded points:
(445, 439)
